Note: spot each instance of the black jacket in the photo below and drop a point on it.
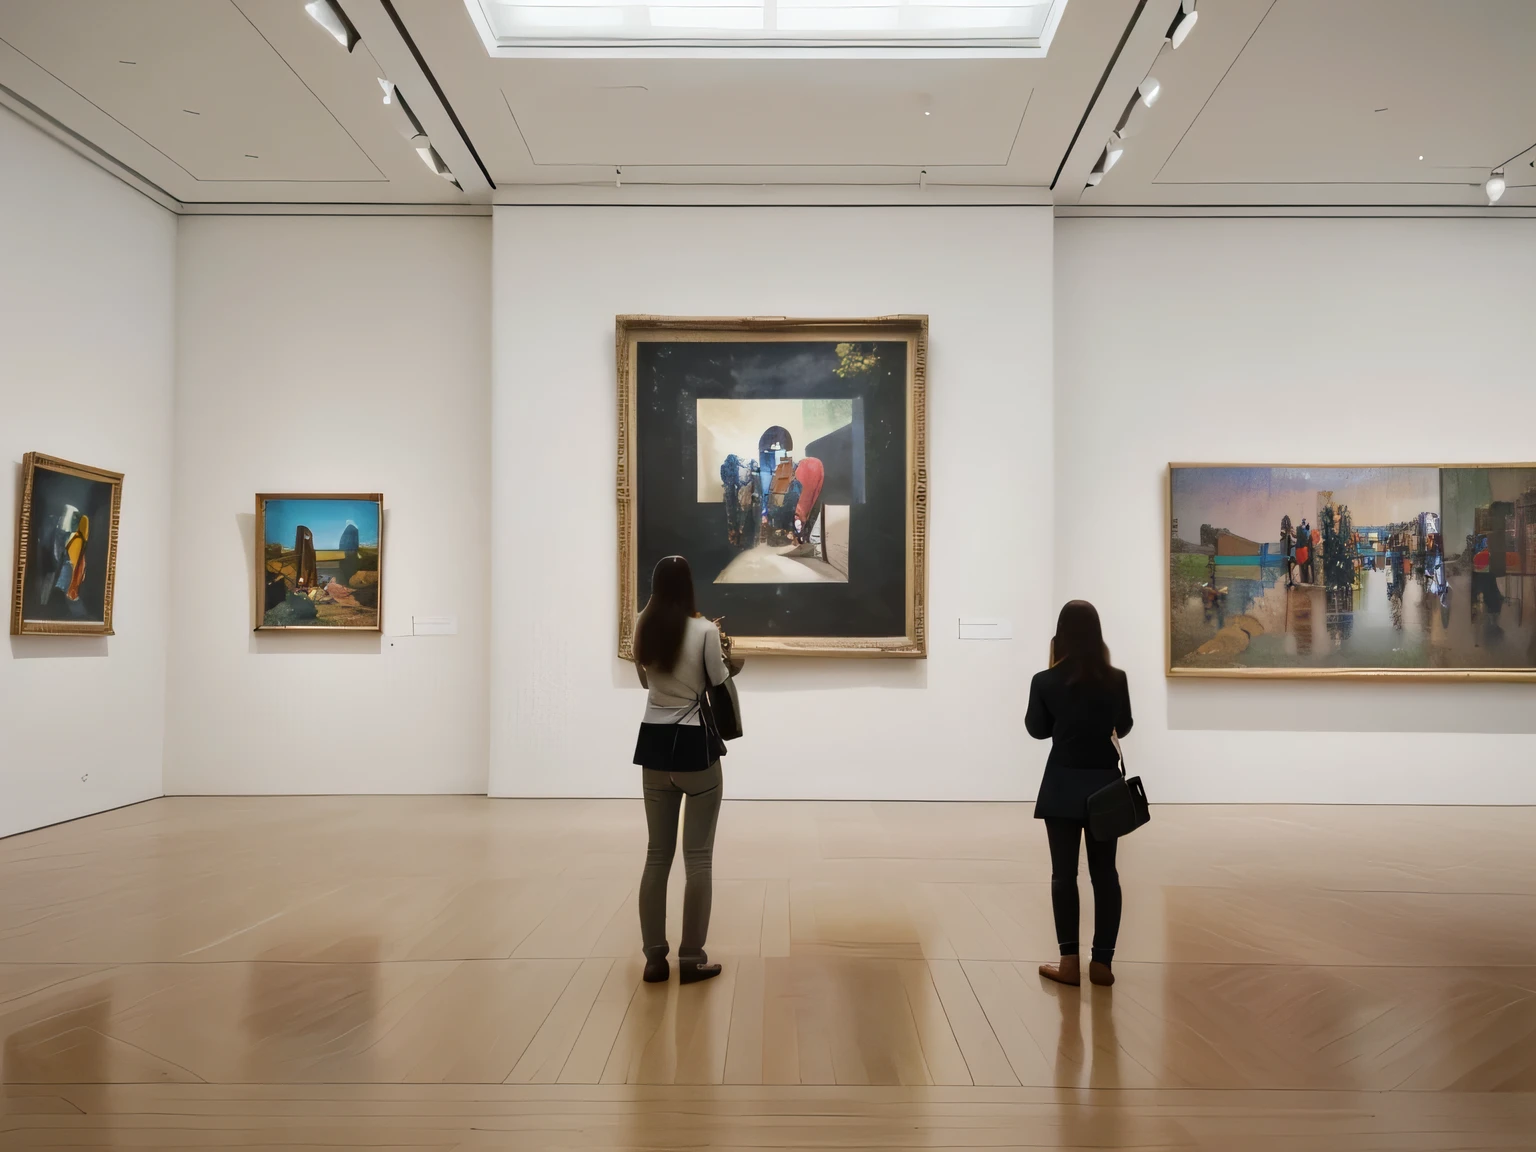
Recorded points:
(1078, 720)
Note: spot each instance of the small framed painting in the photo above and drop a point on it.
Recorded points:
(66, 548)
(787, 460)
(319, 561)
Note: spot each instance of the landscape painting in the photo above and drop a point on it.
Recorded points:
(66, 548)
(1352, 571)
(320, 561)
(785, 459)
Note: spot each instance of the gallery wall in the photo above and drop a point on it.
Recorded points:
(951, 727)
(87, 268)
(331, 354)
(1287, 341)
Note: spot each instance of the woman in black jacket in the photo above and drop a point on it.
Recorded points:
(1081, 704)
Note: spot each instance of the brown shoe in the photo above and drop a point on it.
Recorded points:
(1100, 974)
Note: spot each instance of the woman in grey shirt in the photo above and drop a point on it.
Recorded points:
(679, 655)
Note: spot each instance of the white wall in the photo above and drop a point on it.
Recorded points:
(1314, 341)
(566, 708)
(87, 269)
(330, 354)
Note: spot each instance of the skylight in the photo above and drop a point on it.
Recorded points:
(767, 28)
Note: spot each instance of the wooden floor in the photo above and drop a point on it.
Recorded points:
(462, 973)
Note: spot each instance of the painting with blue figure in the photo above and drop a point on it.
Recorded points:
(786, 459)
(66, 549)
(320, 563)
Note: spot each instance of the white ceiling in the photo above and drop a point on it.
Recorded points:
(1268, 103)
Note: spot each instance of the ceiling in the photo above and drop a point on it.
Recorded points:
(1306, 104)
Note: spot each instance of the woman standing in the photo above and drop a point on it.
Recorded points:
(679, 655)
(1082, 705)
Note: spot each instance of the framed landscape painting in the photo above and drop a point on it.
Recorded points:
(66, 548)
(319, 561)
(1355, 570)
(786, 460)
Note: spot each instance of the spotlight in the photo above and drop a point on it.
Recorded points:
(1183, 23)
(1094, 178)
(328, 14)
(1112, 153)
(1149, 90)
(434, 162)
(1495, 186)
(405, 120)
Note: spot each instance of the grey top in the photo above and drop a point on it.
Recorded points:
(674, 695)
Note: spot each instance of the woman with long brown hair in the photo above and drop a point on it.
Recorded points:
(679, 656)
(1081, 703)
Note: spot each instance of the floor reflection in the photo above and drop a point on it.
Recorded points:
(66, 1042)
(1087, 1119)
(298, 1017)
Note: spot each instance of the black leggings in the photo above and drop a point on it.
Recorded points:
(1065, 835)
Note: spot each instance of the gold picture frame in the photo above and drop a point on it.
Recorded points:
(267, 567)
(27, 559)
(631, 330)
(1421, 674)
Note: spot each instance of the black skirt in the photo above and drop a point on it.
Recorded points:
(675, 748)
(1064, 791)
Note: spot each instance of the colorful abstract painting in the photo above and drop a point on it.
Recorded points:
(1306, 570)
(785, 461)
(66, 548)
(320, 561)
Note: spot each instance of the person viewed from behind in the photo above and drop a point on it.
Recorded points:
(679, 656)
(1082, 704)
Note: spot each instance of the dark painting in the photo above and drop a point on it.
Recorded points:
(782, 469)
(66, 548)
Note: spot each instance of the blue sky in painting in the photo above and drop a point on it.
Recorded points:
(325, 518)
(1251, 501)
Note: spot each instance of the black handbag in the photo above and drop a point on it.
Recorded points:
(720, 705)
(1120, 808)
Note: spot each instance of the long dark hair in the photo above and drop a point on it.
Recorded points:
(1079, 643)
(659, 636)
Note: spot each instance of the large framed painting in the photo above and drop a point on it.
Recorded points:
(1358, 570)
(320, 561)
(786, 459)
(66, 548)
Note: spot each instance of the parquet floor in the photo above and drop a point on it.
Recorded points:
(459, 973)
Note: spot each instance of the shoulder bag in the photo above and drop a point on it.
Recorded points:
(1120, 808)
(720, 704)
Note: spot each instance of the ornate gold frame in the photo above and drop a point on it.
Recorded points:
(914, 330)
(22, 627)
(258, 588)
(1460, 675)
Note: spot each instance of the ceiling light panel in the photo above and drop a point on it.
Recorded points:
(768, 28)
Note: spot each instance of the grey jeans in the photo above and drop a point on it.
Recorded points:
(664, 792)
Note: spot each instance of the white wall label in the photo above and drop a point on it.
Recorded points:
(979, 628)
(434, 625)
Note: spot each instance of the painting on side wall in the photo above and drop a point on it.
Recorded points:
(1399, 570)
(320, 561)
(66, 548)
(786, 460)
